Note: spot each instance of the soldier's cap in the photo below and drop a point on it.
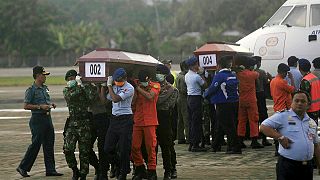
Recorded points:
(292, 60)
(316, 62)
(162, 69)
(304, 65)
(143, 76)
(118, 74)
(282, 67)
(192, 61)
(166, 61)
(70, 73)
(39, 70)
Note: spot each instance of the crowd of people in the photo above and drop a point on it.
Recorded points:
(132, 117)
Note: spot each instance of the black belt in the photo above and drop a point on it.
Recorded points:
(44, 113)
(295, 162)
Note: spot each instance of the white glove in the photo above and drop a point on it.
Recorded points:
(78, 79)
(109, 81)
(104, 84)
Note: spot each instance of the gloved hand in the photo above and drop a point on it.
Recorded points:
(104, 84)
(72, 83)
(109, 81)
(78, 79)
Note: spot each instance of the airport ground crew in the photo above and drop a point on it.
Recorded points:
(78, 126)
(261, 84)
(223, 92)
(121, 123)
(145, 124)
(167, 99)
(183, 122)
(311, 84)
(195, 84)
(248, 109)
(37, 100)
(297, 134)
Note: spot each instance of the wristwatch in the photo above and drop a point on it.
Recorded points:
(281, 138)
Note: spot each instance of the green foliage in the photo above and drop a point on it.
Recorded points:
(28, 80)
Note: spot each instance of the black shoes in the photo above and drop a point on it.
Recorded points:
(76, 173)
(256, 145)
(167, 175)
(122, 177)
(265, 142)
(174, 174)
(152, 175)
(54, 174)
(22, 172)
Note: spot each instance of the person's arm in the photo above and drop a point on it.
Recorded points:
(115, 98)
(149, 95)
(305, 86)
(286, 87)
(270, 132)
(214, 87)
(102, 94)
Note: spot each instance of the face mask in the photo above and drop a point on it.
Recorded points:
(120, 84)
(160, 77)
(144, 84)
(255, 67)
(72, 83)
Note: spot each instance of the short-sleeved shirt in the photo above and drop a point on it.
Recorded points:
(122, 107)
(302, 132)
(247, 85)
(281, 93)
(297, 77)
(37, 95)
(194, 83)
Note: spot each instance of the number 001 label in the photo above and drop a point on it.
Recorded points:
(207, 60)
(95, 69)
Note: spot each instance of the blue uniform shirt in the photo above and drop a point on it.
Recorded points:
(37, 95)
(126, 93)
(303, 134)
(194, 83)
(297, 77)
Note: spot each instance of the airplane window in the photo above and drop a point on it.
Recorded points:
(315, 15)
(297, 17)
(278, 16)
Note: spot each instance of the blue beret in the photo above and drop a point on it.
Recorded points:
(119, 73)
(162, 69)
(304, 65)
(191, 61)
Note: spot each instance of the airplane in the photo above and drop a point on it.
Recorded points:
(294, 30)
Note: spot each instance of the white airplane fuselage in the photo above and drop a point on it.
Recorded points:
(275, 43)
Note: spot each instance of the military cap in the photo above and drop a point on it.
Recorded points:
(316, 63)
(304, 65)
(119, 73)
(162, 69)
(39, 70)
(282, 67)
(192, 61)
(70, 73)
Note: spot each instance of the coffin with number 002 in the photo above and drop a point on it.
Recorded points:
(97, 65)
(211, 52)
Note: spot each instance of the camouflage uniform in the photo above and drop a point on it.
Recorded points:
(183, 122)
(166, 101)
(78, 124)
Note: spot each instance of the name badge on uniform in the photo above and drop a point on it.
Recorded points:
(292, 123)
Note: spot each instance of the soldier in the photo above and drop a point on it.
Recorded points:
(37, 100)
(121, 123)
(167, 99)
(78, 125)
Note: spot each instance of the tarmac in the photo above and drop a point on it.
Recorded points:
(15, 137)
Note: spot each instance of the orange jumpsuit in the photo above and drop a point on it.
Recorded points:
(281, 93)
(145, 123)
(248, 109)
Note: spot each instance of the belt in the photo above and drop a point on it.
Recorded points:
(296, 162)
(43, 113)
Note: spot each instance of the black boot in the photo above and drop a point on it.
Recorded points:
(152, 175)
(76, 173)
(83, 177)
(174, 174)
(265, 142)
(139, 173)
(167, 175)
(241, 141)
(255, 144)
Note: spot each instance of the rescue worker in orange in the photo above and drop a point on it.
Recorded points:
(248, 109)
(311, 83)
(145, 124)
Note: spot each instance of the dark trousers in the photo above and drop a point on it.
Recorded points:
(120, 132)
(226, 117)
(100, 125)
(288, 169)
(262, 109)
(165, 140)
(195, 119)
(42, 134)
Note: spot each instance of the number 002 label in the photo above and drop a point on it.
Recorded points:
(95, 69)
(207, 60)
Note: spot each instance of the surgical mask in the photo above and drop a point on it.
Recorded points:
(120, 84)
(160, 77)
(72, 83)
(144, 84)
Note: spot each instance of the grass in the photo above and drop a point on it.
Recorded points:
(26, 80)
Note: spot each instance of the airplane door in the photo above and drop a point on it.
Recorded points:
(270, 46)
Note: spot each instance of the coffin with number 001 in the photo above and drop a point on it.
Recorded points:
(97, 65)
(209, 53)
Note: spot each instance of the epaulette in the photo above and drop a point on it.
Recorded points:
(283, 110)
